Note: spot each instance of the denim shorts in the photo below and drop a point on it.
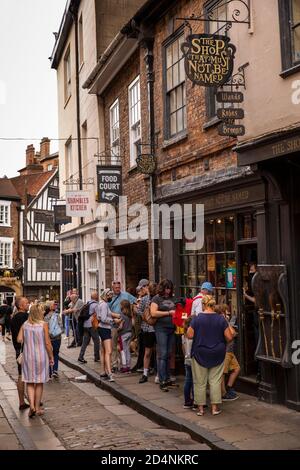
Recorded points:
(104, 333)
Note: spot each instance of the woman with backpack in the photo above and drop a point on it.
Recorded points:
(53, 319)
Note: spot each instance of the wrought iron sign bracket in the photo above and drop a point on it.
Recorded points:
(210, 15)
(238, 80)
(77, 181)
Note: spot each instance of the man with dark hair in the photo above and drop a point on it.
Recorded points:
(5, 313)
(20, 317)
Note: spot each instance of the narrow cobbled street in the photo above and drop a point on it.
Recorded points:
(84, 417)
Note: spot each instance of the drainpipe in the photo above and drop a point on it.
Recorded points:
(147, 44)
(74, 12)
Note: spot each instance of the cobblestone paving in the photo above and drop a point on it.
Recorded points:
(84, 417)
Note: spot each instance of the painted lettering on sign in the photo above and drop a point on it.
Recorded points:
(230, 97)
(231, 130)
(230, 113)
(209, 59)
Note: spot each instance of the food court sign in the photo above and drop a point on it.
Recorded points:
(209, 59)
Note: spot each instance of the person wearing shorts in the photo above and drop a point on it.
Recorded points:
(107, 320)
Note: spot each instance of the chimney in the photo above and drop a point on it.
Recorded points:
(30, 154)
(45, 148)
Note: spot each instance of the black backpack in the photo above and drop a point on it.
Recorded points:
(84, 313)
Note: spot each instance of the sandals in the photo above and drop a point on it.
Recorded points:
(200, 413)
(216, 412)
(40, 413)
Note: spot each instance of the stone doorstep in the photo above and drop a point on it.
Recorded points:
(144, 407)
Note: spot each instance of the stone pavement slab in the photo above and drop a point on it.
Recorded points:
(247, 422)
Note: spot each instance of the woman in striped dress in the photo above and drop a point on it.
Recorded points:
(37, 355)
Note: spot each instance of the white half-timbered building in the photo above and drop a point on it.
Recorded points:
(41, 251)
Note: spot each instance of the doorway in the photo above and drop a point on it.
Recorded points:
(248, 314)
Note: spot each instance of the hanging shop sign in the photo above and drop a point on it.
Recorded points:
(78, 203)
(109, 183)
(226, 114)
(146, 164)
(230, 97)
(209, 59)
(60, 215)
(231, 130)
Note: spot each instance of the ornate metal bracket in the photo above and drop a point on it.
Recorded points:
(238, 80)
(210, 15)
(76, 181)
(146, 161)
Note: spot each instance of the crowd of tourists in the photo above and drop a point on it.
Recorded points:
(153, 325)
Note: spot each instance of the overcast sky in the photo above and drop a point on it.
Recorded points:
(28, 98)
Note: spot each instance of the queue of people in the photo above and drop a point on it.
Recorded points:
(116, 318)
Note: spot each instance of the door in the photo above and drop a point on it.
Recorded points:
(248, 315)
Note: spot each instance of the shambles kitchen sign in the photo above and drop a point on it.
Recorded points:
(109, 183)
(78, 203)
(209, 59)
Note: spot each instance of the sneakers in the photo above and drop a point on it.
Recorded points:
(114, 369)
(143, 379)
(195, 407)
(156, 380)
(188, 406)
(83, 361)
(230, 396)
(104, 376)
(125, 370)
(55, 374)
(110, 378)
(164, 387)
(24, 406)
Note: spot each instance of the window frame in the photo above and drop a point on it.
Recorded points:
(134, 142)
(114, 144)
(81, 42)
(210, 92)
(285, 21)
(7, 241)
(68, 158)
(67, 74)
(6, 204)
(166, 100)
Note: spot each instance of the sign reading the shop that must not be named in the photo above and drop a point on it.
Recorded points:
(209, 59)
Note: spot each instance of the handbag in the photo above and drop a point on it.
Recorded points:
(147, 317)
(20, 357)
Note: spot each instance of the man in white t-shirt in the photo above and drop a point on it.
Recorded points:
(206, 289)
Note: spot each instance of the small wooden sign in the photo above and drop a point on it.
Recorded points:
(230, 97)
(230, 113)
(231, 130)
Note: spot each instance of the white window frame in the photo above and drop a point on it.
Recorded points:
(69, 161)
(7, 241)
(134, 111)
(114, 125)
(6, 205)
(50, 167)
(67, 74)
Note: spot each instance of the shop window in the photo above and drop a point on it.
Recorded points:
(248, 227)
(289, 16)
(215, 263)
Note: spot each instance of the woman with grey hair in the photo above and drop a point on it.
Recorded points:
(106, 320)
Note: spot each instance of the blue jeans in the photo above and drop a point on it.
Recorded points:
(56, 346)
(165, 341)
(188, 386)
